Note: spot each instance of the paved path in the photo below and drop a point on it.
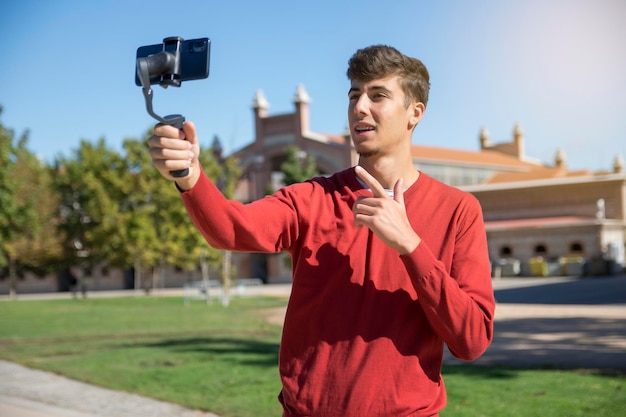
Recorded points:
(561, 336)
(556, 322)
(559, 322)
(28, 392)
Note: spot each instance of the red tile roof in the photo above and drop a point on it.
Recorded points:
(485, 157)
(537, 173)
(538, 223)
(513, 168)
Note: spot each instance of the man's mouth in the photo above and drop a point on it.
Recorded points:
(363, 128)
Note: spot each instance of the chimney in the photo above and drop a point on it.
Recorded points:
(560, 160)
(518, 140)
(484, 139)
(302, 100)
(618, 164)
(259, 106)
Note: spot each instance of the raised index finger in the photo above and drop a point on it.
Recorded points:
(377, 189)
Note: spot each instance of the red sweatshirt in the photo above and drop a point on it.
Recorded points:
(365, 327)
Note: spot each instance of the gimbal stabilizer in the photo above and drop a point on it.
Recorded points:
(169, 64)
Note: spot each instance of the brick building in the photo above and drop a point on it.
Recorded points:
(540, 219)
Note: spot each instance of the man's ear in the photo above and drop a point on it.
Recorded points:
(417, 108)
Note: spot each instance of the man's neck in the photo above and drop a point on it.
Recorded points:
(387, 171)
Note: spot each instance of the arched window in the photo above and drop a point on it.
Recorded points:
(576, 248)
(541, 250)
(506, 252)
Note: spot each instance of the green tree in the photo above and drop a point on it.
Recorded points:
(139, 210)
(14, 215)
(225, 173)
(9, 209)
(157, 228)
(89, 192)
(37, 247)
(177, 242)
(298, 166)
(116, 210)
(99, 207)
(29, 240)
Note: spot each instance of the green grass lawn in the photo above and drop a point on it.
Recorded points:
(225, 359)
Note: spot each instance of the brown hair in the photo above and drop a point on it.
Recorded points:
(380, 61)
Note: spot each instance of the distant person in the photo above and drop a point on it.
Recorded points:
(388, 263)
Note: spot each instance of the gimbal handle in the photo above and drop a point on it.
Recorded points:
(153, 65)
(177, 121)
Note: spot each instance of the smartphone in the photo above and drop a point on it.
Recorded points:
(192, 59)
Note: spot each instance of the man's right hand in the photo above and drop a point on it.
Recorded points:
(172, 149)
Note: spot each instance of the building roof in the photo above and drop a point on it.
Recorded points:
(510, 169)
(325, 137)
(541, 172)
(559, 222)
(485, 157)
(539, 223)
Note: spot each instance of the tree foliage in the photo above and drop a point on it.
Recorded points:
(28, 237)
(298, 167)
(9, 208)
(37, 245)
(99, 206)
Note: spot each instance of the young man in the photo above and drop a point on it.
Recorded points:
(388, 263)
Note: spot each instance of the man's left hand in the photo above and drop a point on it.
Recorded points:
(385, 215)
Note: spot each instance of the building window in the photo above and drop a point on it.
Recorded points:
(576, 248)
(541, 250)
(506, 252)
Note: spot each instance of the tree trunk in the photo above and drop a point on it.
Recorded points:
(147, 281)
(81, 284)
(137, 283)
(226, 262)
(12, 279)
(205, 276)
(156, 273)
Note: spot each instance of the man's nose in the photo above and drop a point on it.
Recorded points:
(361, 106)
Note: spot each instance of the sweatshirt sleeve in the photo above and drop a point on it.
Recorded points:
(265, 225)
(459, 300)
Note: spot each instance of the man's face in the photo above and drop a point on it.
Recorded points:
(379, 118)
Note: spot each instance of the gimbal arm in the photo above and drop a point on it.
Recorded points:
(157, 64)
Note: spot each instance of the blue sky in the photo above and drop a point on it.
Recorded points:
(558, 67)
